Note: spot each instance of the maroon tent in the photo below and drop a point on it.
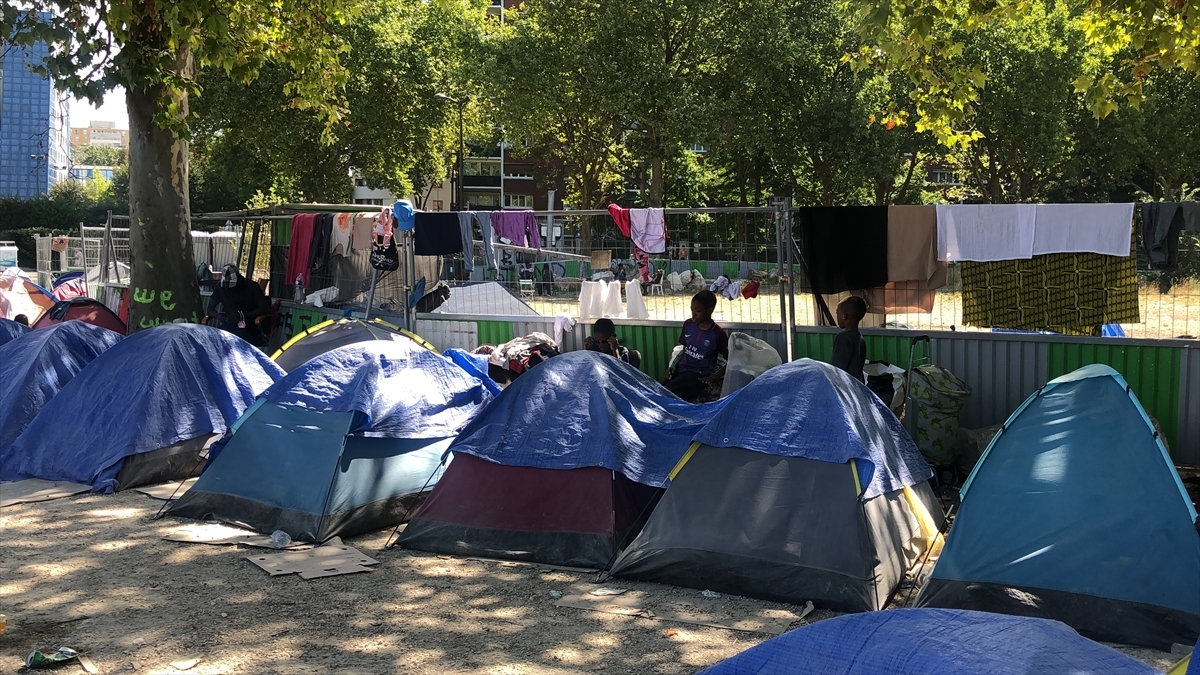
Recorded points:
(86, 310)
(572, 517)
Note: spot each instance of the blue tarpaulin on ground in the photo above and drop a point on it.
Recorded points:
(931, 642)
(811, 409)
(34, 368)
(586, 409)
(11, 330)
(402, 389)
(151, 390)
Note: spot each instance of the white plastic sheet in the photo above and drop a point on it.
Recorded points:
(749, 357)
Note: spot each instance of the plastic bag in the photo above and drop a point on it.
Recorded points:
(749, 357)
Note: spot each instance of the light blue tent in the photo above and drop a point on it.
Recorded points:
(36, 366)
(1076, 513)
(349, 442)
(931, 642)
(143, 411)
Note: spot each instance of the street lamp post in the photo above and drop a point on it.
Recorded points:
(461, 103)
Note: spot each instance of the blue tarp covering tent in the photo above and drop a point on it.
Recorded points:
(1075, 512)
(346, 443)
(585, 409)
(477, 365)
(143, 410)
(562, 468)
(34, 368)
(811, 409)
(11, 330)
(931, 642)
(803, 487)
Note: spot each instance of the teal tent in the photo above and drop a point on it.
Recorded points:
(1076, 513)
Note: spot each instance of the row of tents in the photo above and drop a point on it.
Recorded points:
(801, 486)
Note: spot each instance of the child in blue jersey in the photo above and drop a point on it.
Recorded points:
(703, 342)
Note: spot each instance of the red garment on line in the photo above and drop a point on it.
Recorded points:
(298, 247)
(621, 216)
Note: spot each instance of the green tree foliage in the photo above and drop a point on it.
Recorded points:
(97, 155)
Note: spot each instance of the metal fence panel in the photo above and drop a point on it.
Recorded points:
(1187, 435)
(1002, 373)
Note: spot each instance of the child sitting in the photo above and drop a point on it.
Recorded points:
(849, 350)
(604, 340)
(703, 342)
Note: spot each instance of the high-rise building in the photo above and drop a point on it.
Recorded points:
(34, 126)
(100, 133)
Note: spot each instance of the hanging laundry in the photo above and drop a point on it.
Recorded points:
(733, 291)
(635, 304)
(382, 231)
(750, 290)
(318, 252)
(1161, 225)
(591, 302)
(1082, 228)
(403, 214)
(484, 218)
(437, 233)
(1074, 293)
(719, 284)
(906, 297)
(466, 222)
(645, 267)
(339, 241)
(519, 227)
(986, 232)
(648, 229)
(845, 247)
(912, 243)
(610, 300)
(360, 232)
(562, 322)
(621, 217)
(298, 247)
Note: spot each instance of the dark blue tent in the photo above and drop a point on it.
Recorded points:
(931, 642)
(35, 367)
(11, 330)
(563, 466)
(346, 443)
(1076, 513)
(804, 487)
(143, 411)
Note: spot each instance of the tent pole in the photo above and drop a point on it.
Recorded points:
(371, 294)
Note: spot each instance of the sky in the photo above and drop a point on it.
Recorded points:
(113, 110)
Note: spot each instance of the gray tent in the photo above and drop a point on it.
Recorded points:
(804, 487)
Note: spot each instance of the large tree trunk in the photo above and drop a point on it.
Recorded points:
(658, 183)
(162, 274)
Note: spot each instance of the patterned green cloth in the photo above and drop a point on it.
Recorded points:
(1070, 293)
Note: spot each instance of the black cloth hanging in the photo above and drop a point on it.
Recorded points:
(437, 233)
(845, 247)
(1161, 224)
(319, 250)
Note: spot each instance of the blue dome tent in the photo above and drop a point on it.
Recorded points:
(1076, 513)
(143, 411)
(346, 443)
(35, 367)
(804, 487)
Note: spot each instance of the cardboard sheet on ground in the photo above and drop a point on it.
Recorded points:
(223, 535)
(323, 561)
(703, 612)
(38, 490)
(168, 491)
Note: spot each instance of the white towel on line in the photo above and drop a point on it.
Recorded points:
(985, 232)
(648, 229)
(1083, 228)
(562, 322)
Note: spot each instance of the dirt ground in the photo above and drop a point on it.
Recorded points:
(93, 573)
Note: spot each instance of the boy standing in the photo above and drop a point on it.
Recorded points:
(849, 350)
(703, 341)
